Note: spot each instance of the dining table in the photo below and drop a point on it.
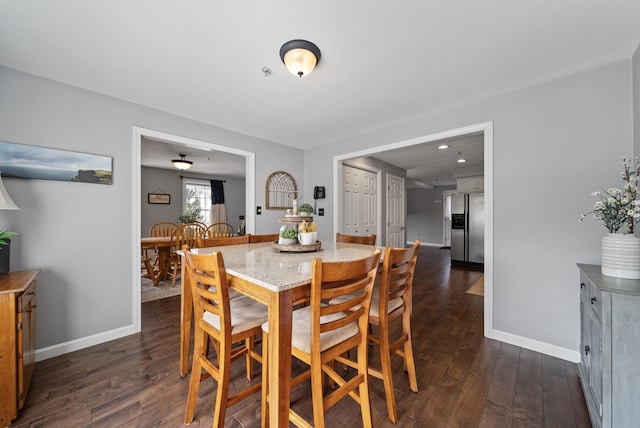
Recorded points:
(277, 279)
(162, 244)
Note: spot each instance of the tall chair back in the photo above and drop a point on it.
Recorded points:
(264, 238)
(219, 242)
(225, 322)
(392, 301)
(356, 239)
(323, 331)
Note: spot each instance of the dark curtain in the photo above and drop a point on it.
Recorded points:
(217, 192)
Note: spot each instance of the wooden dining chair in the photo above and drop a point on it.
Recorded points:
(221, 241)
(355, 239)
(272, 237)
(159, 230)
(322, 332)
(219, 230)
(225, 322)
(162, 229)
(392, 301)
(186, 234)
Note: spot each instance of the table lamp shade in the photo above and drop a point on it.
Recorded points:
(6, 203)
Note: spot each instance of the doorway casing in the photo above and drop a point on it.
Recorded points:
(484, 128)
(250, 196)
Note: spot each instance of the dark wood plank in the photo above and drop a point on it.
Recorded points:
(464, 379)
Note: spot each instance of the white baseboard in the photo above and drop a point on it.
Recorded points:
(535, 345)
(85, 342)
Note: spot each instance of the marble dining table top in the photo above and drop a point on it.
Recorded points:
(280, 270)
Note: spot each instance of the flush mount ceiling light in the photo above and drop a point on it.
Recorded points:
(300, 56)
(182, 163)
(442, 147)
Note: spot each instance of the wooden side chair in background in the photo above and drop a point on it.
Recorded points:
(355, 239)
(163, 228)
(224, 321)
(323, 332)
(153, 263)
(264, 238)
(218, 242)
(219, 230)
(186, 234)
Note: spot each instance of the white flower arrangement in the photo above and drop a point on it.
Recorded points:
(615, 207)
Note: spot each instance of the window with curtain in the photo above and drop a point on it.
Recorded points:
(197, 194)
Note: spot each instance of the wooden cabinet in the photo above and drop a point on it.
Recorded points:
(609, 366)
(470, 184)
(17, 341)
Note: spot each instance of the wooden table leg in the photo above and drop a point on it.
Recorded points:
(279, 361)
(163, 265)
(186, 316)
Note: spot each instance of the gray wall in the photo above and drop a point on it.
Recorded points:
(554, 144)
(80, 235)
(424, 215)
(636, 104)
(170, 182)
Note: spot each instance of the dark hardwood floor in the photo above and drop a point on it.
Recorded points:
(465, 380)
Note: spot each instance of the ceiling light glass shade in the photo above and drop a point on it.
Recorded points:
(300, 56)
(462, 160)
(6, 203)
(443, 146)
(182, 163)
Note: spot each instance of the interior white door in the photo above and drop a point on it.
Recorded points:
(359, 201)
(395, 212)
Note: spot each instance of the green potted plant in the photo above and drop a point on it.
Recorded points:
(190, 216)
(288, 236)
(305, 209)
(4, 250)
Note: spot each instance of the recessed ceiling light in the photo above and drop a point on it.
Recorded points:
(462, 160)
(442, 147)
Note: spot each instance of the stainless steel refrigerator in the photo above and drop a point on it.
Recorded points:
(467, 229)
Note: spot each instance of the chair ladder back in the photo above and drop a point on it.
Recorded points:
(356, 239)
(162, 229)
(208, 282)
(331, 280)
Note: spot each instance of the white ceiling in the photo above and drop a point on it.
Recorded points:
(381, 61)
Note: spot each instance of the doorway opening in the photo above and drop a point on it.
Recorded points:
(138, 135)
(486, 130)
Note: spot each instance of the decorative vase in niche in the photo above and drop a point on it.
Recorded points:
(621, 256)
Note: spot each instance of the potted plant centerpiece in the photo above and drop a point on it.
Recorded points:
(288, 236)
(619, 211)
(305, 209)
(4, 250)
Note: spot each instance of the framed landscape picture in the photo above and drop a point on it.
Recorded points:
(23, 161)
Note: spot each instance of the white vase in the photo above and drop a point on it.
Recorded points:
(621, 256)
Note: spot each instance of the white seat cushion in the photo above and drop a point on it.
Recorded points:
(246, 314)
(374, 310)
(301, 334)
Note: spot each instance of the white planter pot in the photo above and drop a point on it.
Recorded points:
(621, 256)
(287, 241)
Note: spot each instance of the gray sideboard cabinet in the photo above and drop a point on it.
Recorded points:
(609, 366)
